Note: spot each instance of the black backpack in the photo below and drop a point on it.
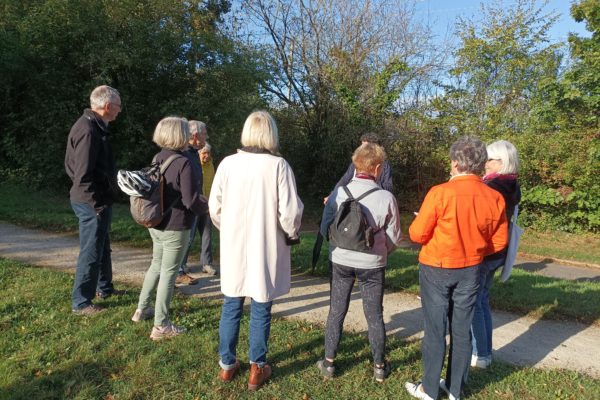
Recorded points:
(350, 229)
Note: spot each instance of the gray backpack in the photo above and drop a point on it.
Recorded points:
(350, 229)
(148, 208)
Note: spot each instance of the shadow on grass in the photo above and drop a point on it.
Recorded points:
(83, 380)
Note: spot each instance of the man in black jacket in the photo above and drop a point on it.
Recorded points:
(90, 164)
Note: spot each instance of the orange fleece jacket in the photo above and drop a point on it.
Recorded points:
(460, 222)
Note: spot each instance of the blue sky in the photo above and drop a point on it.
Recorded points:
(443, 13)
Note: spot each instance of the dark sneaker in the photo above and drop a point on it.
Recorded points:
(185, 279)
(88, 311)
(227, 375)
(258, 376)
(209, 269)
(141, 315)
(327, 372)
(115, 292)
(380, 373)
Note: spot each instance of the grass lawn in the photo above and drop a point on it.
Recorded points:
(524, 293)
(48, 353)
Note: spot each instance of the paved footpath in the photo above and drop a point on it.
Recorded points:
(518, 340)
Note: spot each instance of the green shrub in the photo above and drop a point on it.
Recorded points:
(562, 209)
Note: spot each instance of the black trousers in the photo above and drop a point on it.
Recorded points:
(370, 282)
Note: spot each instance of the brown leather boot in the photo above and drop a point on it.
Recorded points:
(229, 374)
(258, 376)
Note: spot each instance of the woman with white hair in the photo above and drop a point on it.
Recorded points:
(501, 175)
(254, 203)
(182, 200)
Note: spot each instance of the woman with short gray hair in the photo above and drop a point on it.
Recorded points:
(459, 223)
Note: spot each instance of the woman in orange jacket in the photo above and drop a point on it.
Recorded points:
(459, 223)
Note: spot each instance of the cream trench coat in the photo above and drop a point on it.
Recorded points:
(254, 203)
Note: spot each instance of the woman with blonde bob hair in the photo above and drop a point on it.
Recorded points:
(501, 175)
(182, 200)
(255, 205)
(260, 131)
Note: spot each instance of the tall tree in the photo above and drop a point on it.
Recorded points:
(502, 60)
(165, 57)
(337, 67)
(581, 82)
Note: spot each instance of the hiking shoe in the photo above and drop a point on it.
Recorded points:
(258, 375)
(115, 292)
(185, 279)
(88, 311)
(327, 372)
(166, 331)
(144, 314)
(480, 362)
(227, 375)
(209, 269)
(446, 390)
(380, 373)
(416, 391)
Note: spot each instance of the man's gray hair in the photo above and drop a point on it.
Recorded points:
(196, 127)
(470, 154)
(102, 95)
(207, 147)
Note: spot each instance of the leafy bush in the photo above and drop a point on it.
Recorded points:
(562, 209)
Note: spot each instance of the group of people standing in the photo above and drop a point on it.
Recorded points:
(252, 200)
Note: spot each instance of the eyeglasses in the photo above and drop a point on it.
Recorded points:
(116, 104)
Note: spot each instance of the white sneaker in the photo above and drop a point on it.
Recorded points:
(209, 269)
(166, 331)
(144, 314)
(415, 390)
(480, 362)
(447, 390)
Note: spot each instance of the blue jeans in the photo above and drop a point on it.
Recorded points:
(204, 226)
(482, 327)
(229, 331)
(94, 266)
(448, 298)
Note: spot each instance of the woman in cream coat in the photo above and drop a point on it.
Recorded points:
(255, 205)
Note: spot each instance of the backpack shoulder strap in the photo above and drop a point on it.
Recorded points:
(168, 161)
(348, 192)
(368, 192)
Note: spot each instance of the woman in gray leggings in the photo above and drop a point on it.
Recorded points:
(379, 208)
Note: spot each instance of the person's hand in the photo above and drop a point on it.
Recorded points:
(290, 241)
(325, 199)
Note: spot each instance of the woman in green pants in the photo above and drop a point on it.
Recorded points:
(169, 238)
